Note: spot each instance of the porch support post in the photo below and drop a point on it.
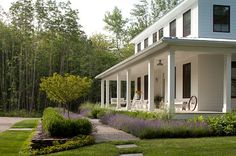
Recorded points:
(128, 89)
(102, 93)
(107, 93)
(227, 84)
(171, 81)
(151, 84)
(118, 91)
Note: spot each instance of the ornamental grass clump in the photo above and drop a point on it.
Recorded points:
(157, 128)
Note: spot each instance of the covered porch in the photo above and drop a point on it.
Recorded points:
(167, 74)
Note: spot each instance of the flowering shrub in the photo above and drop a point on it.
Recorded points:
(156, 128)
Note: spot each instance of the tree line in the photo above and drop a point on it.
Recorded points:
(41, 37)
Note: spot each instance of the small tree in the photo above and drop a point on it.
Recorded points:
(64, 89)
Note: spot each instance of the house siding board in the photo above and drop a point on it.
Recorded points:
(206, 19)
(210, 80)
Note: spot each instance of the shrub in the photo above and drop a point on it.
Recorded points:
(223, 124)
(54, 123)
(92, 110)
(77, 142)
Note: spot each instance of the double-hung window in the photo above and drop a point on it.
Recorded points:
(221, 18)
(187, 23)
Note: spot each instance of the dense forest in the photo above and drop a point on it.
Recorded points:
(41, 37)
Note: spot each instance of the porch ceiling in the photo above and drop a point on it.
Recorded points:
(139, 60)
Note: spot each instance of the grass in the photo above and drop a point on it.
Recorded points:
(102, 149)
(217, 146)
(12, 141)
(26, 124)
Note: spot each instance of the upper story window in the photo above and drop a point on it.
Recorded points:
(221, 18)
(154, 37)
(187, 23)
(161, 32)
(173, 28)
(146, 43)
(139, 47)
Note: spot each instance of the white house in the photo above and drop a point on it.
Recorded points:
(190, 51)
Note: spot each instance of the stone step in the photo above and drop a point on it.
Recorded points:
(126, 146)
(134, 154)
(20, 129)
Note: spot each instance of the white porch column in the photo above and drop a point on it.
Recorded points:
(151, 85)
(227, 83)
(107, 93)
(128, 89)
(171, 82)
(102, 93)
(118, 90)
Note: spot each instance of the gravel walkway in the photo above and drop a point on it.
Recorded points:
(104, 133)
(7, 122)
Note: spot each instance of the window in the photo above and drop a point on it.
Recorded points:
(154, 37)
(221, 18)
(139, 84)
(146, 43)
(233, 81)
(173, 28)
(139, 47)
(145, 87)
(187, 23)
(187, 80)
(161, 33)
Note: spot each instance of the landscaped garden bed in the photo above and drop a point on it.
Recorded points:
(56, 133)
(153, 125)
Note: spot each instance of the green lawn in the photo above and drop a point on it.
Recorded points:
(26, 124)
(12, 141)
(217, 146)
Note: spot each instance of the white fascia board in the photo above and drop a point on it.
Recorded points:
(168, 41)
(136, 57)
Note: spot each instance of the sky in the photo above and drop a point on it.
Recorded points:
(91, 12)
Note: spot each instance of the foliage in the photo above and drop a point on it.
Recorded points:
(21, 113)
(223, 125)
(92, 110)
(65, 89)
(76, 142)
(116, 24)
(95, 111)
(156, 128)
(56, 125)
(146, 13)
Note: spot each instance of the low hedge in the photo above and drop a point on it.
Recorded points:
(57, 126)
(95, 111)
(77, 142)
